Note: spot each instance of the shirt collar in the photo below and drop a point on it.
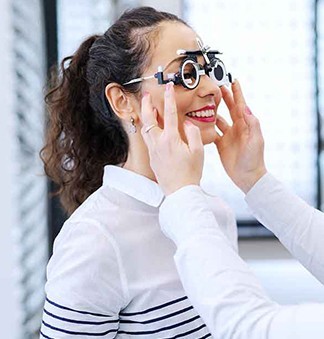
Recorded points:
(133, 184)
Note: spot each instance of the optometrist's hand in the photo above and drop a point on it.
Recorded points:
(241, 147)
(174, 162)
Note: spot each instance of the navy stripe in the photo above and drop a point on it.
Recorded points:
(45, 336)
(189, 332)
(153, 308)
(78, 333)
(206, 336)
(80, 321)
(160, 329)
(156, 319)
(73, 310)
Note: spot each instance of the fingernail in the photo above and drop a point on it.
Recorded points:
(247, 110)
(188, 123)
(168, 86)
(146, 94)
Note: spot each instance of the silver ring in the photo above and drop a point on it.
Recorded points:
(147, 129)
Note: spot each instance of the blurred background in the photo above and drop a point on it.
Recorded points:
(275, 48)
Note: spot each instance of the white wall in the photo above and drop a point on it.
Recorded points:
(284, 278)
(173, 6)
(9, 309)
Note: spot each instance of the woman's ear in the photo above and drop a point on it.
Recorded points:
(123, 104)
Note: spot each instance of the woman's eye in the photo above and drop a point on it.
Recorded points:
(187, 75)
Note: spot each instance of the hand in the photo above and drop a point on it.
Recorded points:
(175, 163)
(241, 146)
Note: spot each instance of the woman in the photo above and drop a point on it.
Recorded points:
(217, 281)
(112, 272)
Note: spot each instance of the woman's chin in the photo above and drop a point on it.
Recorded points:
(208, 135)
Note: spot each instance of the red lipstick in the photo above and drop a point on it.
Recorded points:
(204, 119)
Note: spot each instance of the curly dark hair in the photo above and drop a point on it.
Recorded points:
(83, 133)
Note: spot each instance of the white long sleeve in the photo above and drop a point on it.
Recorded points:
(220, 285)
(298, 226)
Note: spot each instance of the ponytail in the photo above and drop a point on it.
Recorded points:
(76, 148)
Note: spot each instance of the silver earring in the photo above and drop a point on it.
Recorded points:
(132, 127)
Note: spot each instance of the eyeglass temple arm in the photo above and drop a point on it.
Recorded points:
(160, 77)
(138, 80)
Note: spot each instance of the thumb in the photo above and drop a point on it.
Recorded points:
(193, 135)
(252, 122)
(254, 128)
(217, 139)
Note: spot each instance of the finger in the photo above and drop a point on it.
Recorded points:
(248, 111)
(238, 96)
(149, 118)
(218, 138)
(149, 135)
(222, 124)
(252, 123)
(227, 97)
(230, 103)
(170, 110)
(193, 135)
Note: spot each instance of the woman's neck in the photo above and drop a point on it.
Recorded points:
(138, 160)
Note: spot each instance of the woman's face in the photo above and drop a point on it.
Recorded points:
(203, 100)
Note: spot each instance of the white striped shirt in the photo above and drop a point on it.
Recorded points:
(112, 273)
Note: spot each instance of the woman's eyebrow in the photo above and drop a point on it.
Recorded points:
(174, 60)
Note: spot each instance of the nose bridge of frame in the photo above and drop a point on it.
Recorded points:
(207, 79)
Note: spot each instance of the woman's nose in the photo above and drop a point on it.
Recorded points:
(208, 86)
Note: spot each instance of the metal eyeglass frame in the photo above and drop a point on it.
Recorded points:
(213, 67)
